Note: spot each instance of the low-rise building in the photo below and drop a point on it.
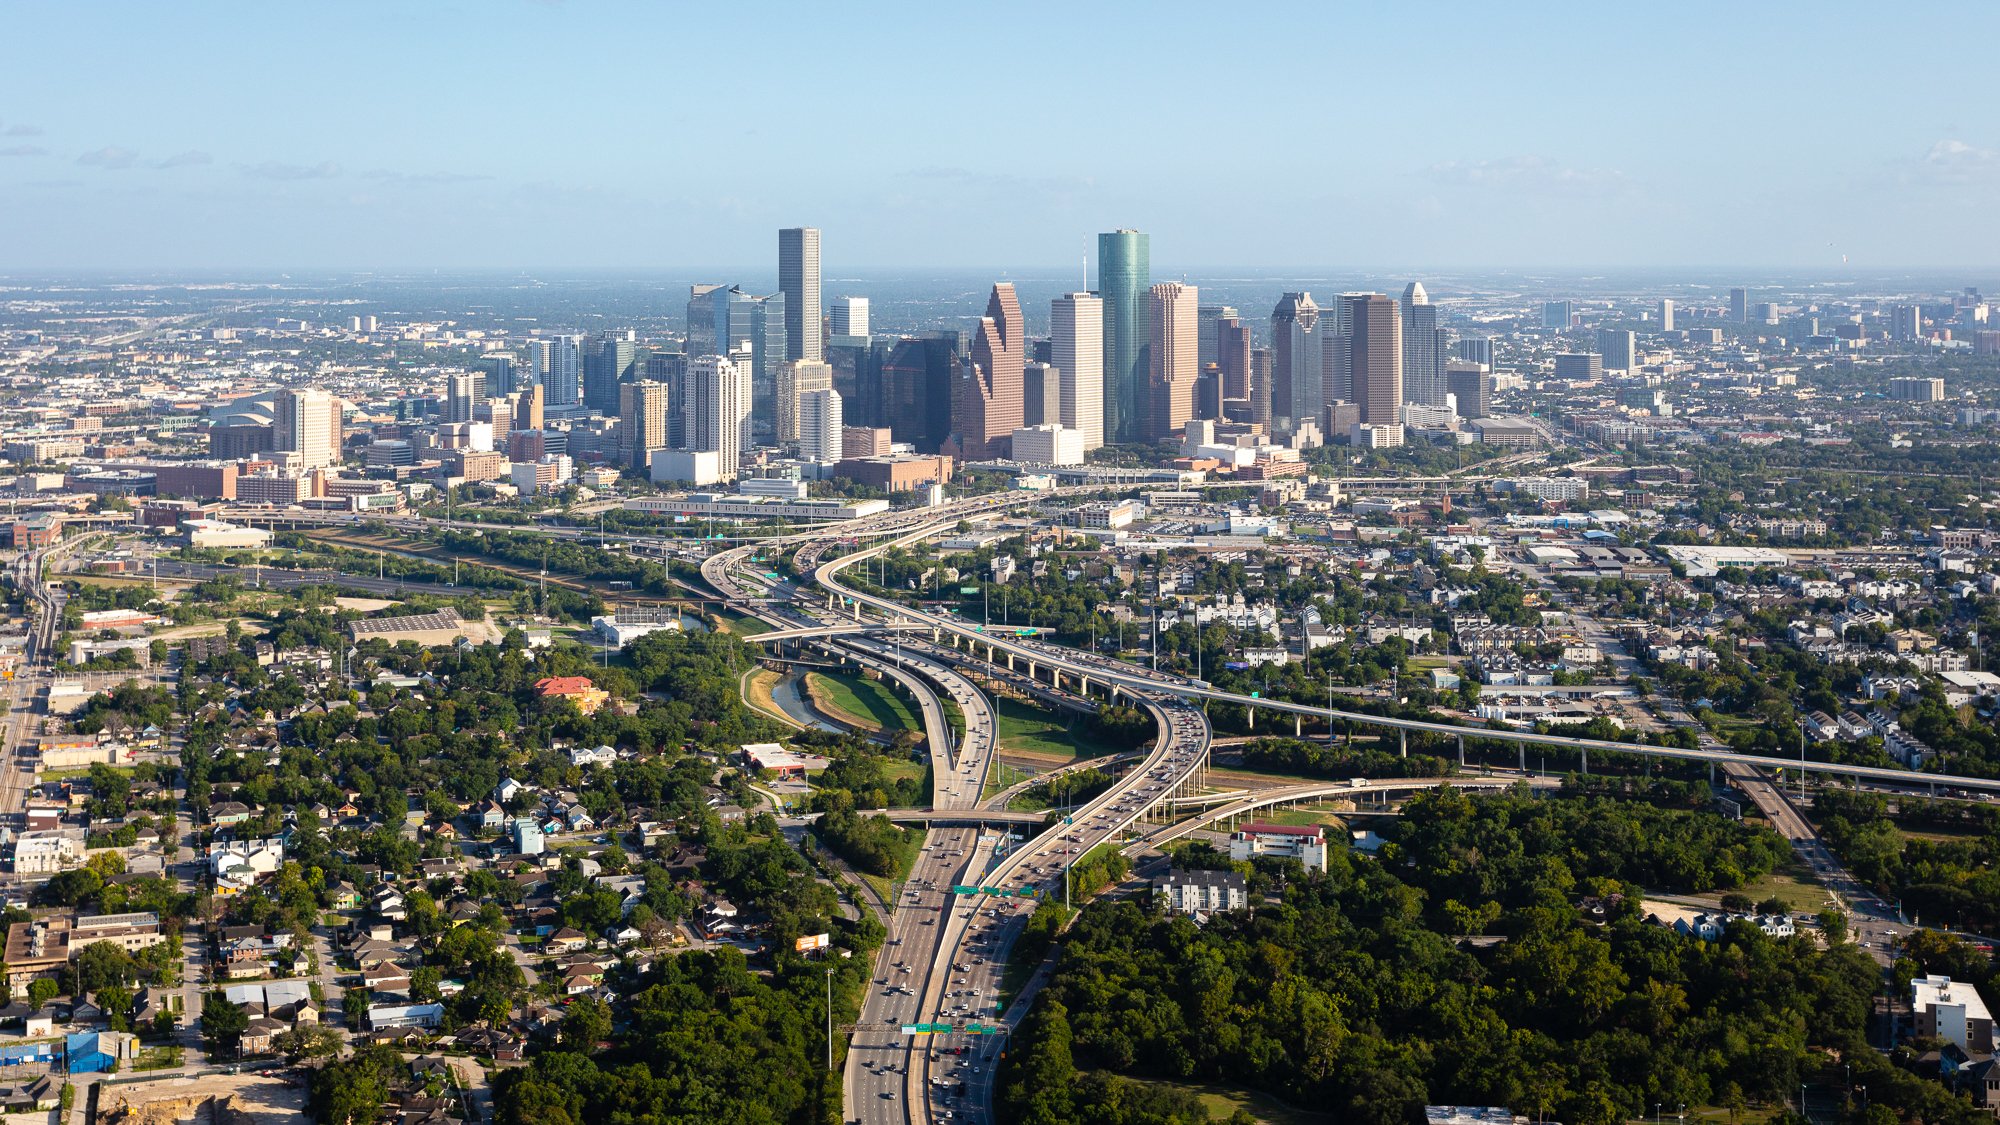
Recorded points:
(1200, 892)
(1305, 843)
(1953, 1011)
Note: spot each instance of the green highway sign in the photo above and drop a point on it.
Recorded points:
(998, 892)
(926, 1028)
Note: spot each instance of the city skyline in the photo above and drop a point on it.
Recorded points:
(161, 162)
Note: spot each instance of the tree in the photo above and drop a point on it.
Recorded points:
(103, 965)
(41, 990)
(354, 1005)
(223, 1023)
(307, 1041)
(587, 1023)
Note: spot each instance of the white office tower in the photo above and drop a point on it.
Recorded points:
(561, 379)
(849, 316)
(795, 380)
(1423, 348)
(798, 280)
(307, 424)
(819, 425)
(716, 415)
(1666, 314)
(1076, 322)
(1048, 445)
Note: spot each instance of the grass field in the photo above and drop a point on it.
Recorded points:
(740, 625)
(1798, 896)
(1034, 730)
(1002, 775)
(862, 703)
(1222, 1101)
(1299, 818)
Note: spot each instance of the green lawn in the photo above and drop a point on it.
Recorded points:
(1000, 776)
(1798, 896)
(868, 701)
(740, 625)
(1223, 1101)
(1035, 730)
(1298, 818)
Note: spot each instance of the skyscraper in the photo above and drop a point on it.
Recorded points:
(1206, 318)
(460, 392)
(716, 414)
(849, 316)
(307, 423)
(1906, 322)
(1478, 349)
(1619, 348)
(643, 410)
(670, 369)
(499, 372)
(918, 377)
(986, 402)
(1375, 357)
(798, 280)
(1124, 274)
(1556, 314)
(1739, 305)
(1423, 348)
(1173, 346)
(1232, 358)
(560, 379)
(1261, 363)
(1471, 384)
(613, 361)
(795, 380)
(1041, 395)
(819, 424)
(1295, 362)
(1076, 323)
(1666, 314)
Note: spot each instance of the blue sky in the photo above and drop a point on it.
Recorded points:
(625, 135)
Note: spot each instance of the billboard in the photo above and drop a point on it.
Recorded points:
(811, 942)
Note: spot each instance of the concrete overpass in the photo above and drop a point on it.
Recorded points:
(964, 817)
(1118, 678)
(1232, 806)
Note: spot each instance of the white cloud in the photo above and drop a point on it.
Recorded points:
(110, 156)
(273, 170)
(1954, 160)
(21, 131)
(1527, 171)
(24, 150)
(186, 159)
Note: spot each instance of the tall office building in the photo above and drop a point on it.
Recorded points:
(540, 349)
(561, 379)
(1581, 367)
(307, 421)
(460, 392)
(1207, 318)
(1477, 349)
(1471, 385)
(1076, 324)
(670, 369)
(1262, 361)
(986, 402)
(819, 425)
(528, 404)
(857, 375)
(1619, 348)
(643, 410)
(1423, 348)
(1906, 322)
(498, 370)
(613, 361)
(1174, 344)
(798, 280)
(848, 316)
(1375, 357)
(1666, 314)
(1124, 276)
(1556, 314)
(716, 413)
(1232, 359)
(1041, 395)
(1296, 386)
(1739, 305)
(795, 380)
(918, 376)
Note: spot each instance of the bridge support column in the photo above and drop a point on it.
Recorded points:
(1402, 742)
(1461, 751)
(1083, 687)
(1031, 669)
(1524, 755)
(1010, 658)
(1298, 727)
(1586, 762)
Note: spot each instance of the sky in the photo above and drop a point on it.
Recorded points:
(580, 135)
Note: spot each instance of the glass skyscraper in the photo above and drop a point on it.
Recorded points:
(1125, 281)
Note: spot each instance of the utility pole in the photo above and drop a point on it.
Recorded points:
(829, 1019)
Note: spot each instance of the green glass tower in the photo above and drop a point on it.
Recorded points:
(1124, 279)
